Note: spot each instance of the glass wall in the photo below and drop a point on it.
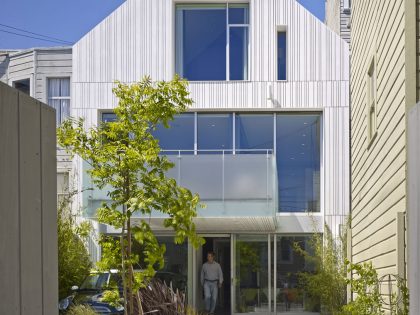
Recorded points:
(294, 139)
(298, 162)
(251, 278)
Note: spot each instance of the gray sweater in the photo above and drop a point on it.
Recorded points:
(212, 272)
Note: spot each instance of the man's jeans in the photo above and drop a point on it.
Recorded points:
(210, 295)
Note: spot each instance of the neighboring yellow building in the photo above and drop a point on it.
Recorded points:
(384, 87)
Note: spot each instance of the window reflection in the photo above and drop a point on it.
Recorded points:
(251, 277)
(290, 296)
(215, 132)
(175, 269)
(201, 41)
(202, 44)
(179, 135)
(298, 162)
(254, 132)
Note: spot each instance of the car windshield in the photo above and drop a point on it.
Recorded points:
(95, 282)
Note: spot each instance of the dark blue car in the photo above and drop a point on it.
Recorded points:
(90, 293)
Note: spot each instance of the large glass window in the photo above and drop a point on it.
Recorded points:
(254, 132)
(215, 132)
(59, 97)
(298, 162)
(203, 32)
(179, 135)
(293, 137)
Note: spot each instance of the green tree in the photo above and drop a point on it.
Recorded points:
(327, 282)
(73, 259)
(124, 158)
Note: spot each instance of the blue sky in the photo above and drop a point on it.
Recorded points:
(68, 20)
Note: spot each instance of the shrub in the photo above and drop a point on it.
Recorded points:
(364, 283)
(326, 284)
(81, 310)
(158, 297)
(73, 258)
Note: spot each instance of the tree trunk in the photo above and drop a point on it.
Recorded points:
(130, 268)
(122, 238)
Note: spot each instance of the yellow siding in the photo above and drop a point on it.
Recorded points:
(378, 168)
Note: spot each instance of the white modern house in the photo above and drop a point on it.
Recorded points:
(265, 143)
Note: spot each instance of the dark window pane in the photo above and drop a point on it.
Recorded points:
(238, 14)
(180, 135)
(298, 162)
(281, 56)
(289, 266)
(201, 42)
(254, 131)
(23, 86)
(214, 132)
(109, 117)
(238, 53)
(175, 270)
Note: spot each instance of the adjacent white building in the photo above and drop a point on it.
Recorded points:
(45, 74)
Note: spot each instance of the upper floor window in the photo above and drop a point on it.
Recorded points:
(212, 41)
(281, 55)
(23, 85)
(59, 97)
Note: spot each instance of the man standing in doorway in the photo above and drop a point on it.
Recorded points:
(211, 280)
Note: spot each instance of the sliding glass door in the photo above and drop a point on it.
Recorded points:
(265, 275)
(251, 274)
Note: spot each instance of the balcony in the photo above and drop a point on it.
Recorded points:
(239, 189)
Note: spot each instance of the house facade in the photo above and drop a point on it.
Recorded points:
(384, 142)
(265, 144)
(45, 74)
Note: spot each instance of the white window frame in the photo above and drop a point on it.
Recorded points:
(48, 98)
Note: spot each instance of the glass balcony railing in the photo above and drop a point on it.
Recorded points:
(230, 184)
